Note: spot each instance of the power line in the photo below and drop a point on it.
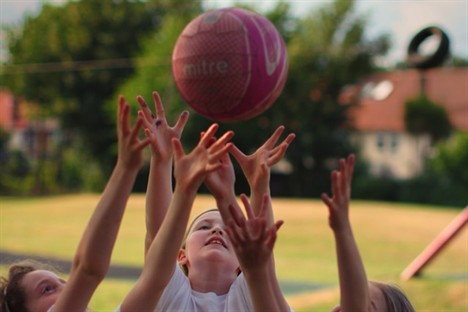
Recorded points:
(121, 63)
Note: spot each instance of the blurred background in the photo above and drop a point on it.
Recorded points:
(352, 86)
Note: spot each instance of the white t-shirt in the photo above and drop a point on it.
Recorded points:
(179, 296)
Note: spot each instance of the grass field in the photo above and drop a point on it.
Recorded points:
(390, 236)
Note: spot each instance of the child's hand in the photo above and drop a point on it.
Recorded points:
(220, 182)
(190, 170)
(157, 128)
(256, 167)
(253, 242)
(338, 205)
(130, 148)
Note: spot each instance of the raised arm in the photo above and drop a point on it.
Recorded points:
(257, 170)
(159, 188)
(256, 167)
(221, 184)
(93, 255)
(253, 243)
(189, 171)
(354, 289)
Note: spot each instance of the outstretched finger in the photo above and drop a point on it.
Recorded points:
(335, 183)
(234, 234)
(147, 123)
(181, 122)
(148, 114)
(160, 113)
(142, 144)
(247, 206)
(124, 122)
(136, 129)
(220, 146)
(277, 154)
(236, 215)
(208, 134)
(350, 167)
(272, 234)
(343, 177)
(177, 148)
(274, 138)
(287, 141)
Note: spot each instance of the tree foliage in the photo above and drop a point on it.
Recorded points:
(424, 116)
(90, 51)
(327, 51)
(71, 58)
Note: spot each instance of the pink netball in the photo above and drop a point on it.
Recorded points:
(230, 64)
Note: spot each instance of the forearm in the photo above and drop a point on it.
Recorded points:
(261, 290)
(223, 202)
(95, 248)
(354, 287)
(158, 197)
(160, 260)
(256, 200)
(277, 291)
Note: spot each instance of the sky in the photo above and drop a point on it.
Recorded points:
(401, 19)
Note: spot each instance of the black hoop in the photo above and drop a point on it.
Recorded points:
(417, 60)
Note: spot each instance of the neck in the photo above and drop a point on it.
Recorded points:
(212, 278)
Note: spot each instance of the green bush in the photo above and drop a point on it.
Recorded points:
(424, 116)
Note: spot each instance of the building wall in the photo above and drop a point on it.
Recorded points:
(394, 154)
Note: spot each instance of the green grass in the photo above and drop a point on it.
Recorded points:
(390, 236)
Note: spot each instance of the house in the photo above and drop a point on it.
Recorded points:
(35, 138)
(378, 118)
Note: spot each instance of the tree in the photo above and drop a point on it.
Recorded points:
(71, 58)
(451, 160)
(446, 176)
(424, 116)
(328, 51)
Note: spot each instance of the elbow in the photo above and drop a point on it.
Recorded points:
(93, 270)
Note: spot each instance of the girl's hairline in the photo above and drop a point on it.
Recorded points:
(199, 216)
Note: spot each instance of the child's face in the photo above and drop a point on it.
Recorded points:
(207, 242)
(42, 288)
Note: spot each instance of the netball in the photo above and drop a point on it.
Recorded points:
(230, 64)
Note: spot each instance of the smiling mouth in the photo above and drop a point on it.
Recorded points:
(216, 241)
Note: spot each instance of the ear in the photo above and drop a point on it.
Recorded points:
(182, 257)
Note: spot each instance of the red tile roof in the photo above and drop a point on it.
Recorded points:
(445, 86)
(11, 116)
(6, 110)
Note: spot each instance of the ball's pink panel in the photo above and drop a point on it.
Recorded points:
(230, 64)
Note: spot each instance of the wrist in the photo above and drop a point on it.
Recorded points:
(159, 161)
(255, 273)
(225, 198)
(126, 171)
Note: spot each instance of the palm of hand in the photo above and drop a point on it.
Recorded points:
(158, 130)
(251, 245)
(192, 167)
(222, 179)
(130, 152)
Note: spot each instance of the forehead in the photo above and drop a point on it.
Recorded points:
(212, 216)
(39, 275)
